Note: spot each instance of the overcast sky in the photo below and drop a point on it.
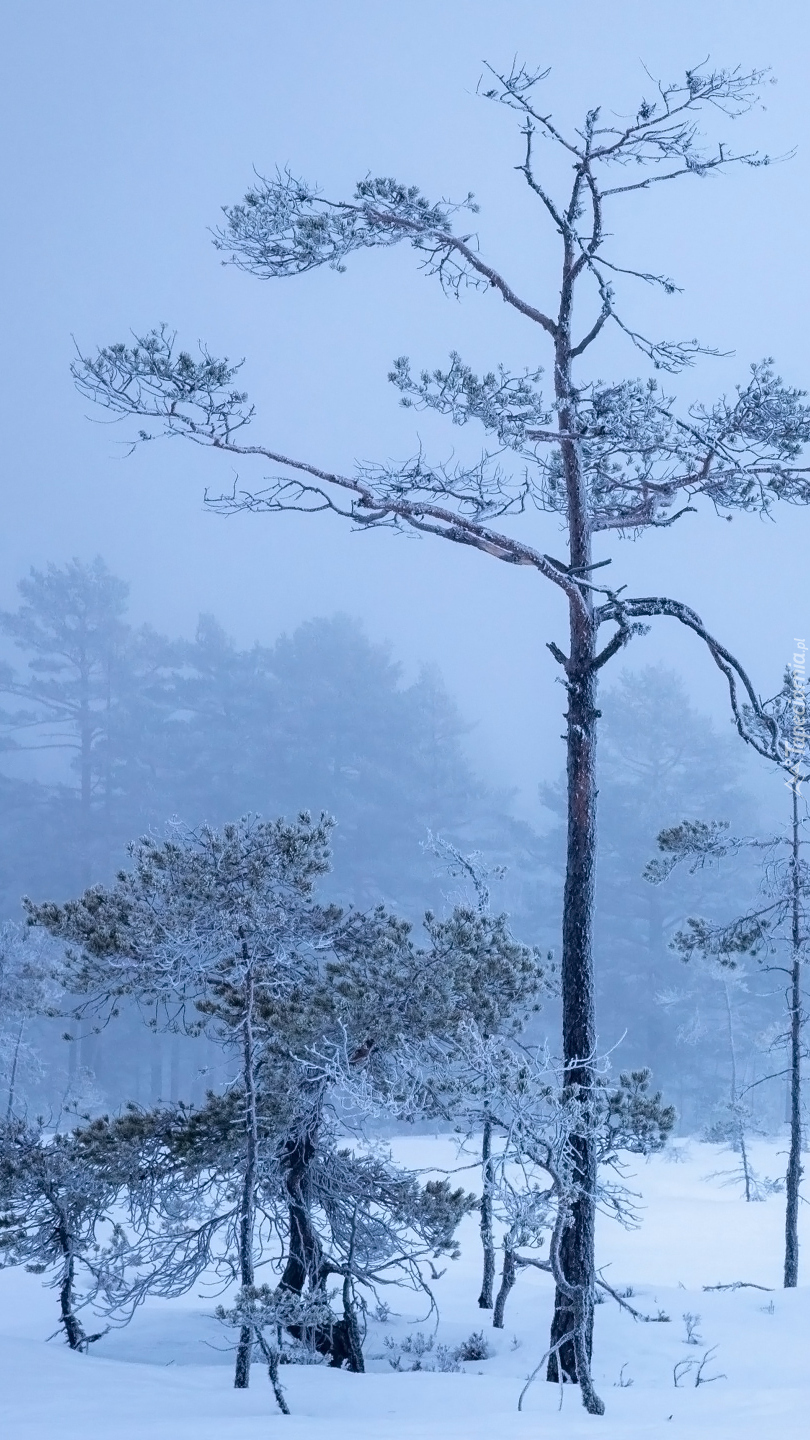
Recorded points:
(125, 128)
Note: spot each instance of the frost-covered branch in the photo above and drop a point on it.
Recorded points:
(755, 721)
(284, 227)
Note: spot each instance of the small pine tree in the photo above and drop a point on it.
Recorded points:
(58, 1217)
(219, 932)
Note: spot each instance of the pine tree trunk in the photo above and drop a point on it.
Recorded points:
(71, 1325)
(794, 1169)
(577, 976)
(508, 1278)
(304, 1252)
(247, 1205)
(340, 1341)
(352, 1340)
(487, 1238)
(579, 1021)
(271, 1356)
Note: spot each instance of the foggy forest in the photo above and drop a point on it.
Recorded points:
(404, 752)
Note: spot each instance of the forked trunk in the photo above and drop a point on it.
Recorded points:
(304, 1254)
(305, 1266)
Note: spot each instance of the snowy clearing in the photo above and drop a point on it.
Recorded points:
(169, 1375)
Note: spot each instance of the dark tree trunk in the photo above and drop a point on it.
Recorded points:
(342, 1344)
(577, 976)
(247, 1208)
(74, 1332)
(304, 1257)
(579, 1022)
(71, 1326)
(794, 1169)
(351, 1338)
(577, 965)
(305, 1262)
(508, 1278)
(487, 1238)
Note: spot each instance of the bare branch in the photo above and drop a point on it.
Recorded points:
(754, 724)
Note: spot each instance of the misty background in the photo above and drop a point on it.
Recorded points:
(402, 684)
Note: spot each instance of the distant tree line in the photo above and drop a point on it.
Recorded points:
(137, 727)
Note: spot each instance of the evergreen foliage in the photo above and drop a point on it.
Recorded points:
(58, 1217)
(219, 932)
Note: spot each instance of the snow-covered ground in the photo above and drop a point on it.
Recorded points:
(167, 1377)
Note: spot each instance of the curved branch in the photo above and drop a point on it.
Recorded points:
(762, 734)
(598, 325)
